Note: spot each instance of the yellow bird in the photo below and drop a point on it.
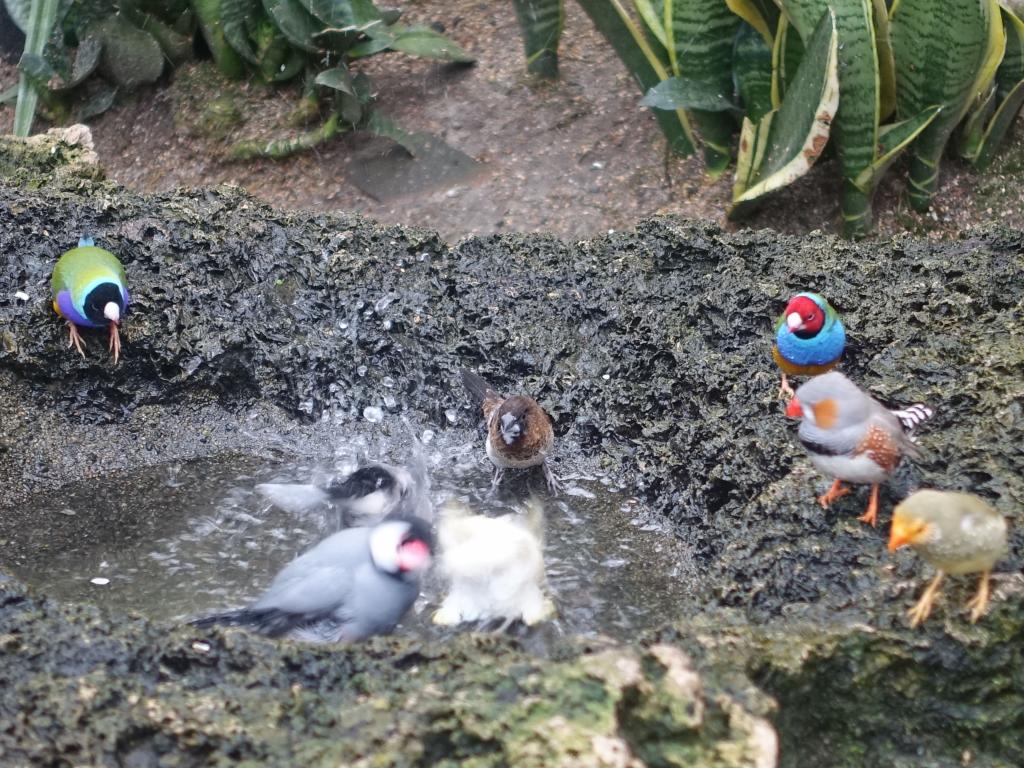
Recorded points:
(957, 533)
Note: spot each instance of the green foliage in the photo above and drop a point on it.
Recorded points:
(36, 19)
(906, 73)
(541, 22)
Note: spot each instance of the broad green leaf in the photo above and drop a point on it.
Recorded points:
(787, 142)
(338, 78)
(20, 12)
(385, 126)
(130, 56)
(762, 15)
(333, 13)
(643, 62)
(687, 93)
(176, 46)
(428, 44)
(972, 130)
(233, 16)
(752, 72)
(939, 60)
(541, 23)
(701, 33)
(37, 69)
(370, 47)
(99, 101)
(858, 193)
(295, 23)
(998, 126)
(9, 95)
(886, 63)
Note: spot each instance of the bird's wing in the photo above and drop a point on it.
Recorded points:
(309, 589)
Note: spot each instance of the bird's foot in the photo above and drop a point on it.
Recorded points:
(871, 515)
(786, 392)
(837, 491)
(979, 603)
(496, 480)
(923, 607)
(75, 339)
(115, 342)
(554, 485)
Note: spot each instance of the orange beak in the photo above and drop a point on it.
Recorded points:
(899, 534)
(794, 410)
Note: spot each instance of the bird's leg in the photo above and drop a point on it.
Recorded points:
(923, 607)
(979, 602)
(785, 391)
(75, 338)
(871, 515)
(553, 484)
(115, 342)
(498, 472)
(837, 491)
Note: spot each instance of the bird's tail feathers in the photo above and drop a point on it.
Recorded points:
(912, 416)
(295, 498)
(476, 386)
(272, 622)
(85, 240)
(533, 517)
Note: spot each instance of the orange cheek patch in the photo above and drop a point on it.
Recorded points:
(825, 413)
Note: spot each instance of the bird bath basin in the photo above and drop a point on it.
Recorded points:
(178, 541)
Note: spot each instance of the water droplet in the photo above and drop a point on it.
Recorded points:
(373, 414)
(451, 415)
(427, 436)
(99, 581)
(390, 401)
(361, 370)
(387, 325)
(388, 382)
(382, 304)
(614, 562)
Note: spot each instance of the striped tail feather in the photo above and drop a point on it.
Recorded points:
(912, 416)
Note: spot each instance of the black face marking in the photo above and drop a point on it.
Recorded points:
(98, 298)
(362, 482)
(512, 419)
(807, 333)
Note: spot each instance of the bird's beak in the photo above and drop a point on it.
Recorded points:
(794, 410)
(794, 321)
(413, 555)
(899, 534)
(112, 312)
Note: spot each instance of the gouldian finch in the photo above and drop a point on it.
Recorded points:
(519, 432)
(957, 533)
(356, 583)
(809, 339)
(852, 437)
(90, 289)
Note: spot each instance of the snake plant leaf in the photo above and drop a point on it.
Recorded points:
(653, 19)
(687, 93)
(38, 23)
(940, 60)
(886, 62)
(987, 126)
(643, 61)
(784, 145)
(762, 15)
(972, 130)
(787, 53)
(701, 34)
(541, 23)
(752, 72)
(211, 23)
(233, 15)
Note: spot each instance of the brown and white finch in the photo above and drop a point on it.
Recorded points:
(519, 432)
(957, 533)
(852, 437)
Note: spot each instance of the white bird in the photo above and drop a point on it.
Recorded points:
(494, 566)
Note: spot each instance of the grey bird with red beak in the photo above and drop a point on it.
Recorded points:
(356, 583)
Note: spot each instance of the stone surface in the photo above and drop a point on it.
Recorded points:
(650, 349)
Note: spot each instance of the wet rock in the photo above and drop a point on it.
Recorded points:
(650, 349)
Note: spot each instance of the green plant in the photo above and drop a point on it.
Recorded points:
(36, 19)
(898, 75)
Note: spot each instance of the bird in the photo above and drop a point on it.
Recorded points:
(90, 289)
(957, 533)
(494, 566)
(354, 584)
(519, 431)
(371, 492)
(852, 437)
(809, 339)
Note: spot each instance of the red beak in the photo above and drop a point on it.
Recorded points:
(794, 410)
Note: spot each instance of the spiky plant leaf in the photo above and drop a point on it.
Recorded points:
(886, 63)
(541, 22)
(428, 44)
(784, 145)
(701, 34)
(787, 53)
(762, 15)
(643, 61)
(686, 93)
(940, 58)
(38, 25)
(752, 72)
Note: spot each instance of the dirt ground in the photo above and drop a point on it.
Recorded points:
(576, 157)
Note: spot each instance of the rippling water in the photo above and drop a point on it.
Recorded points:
(178, 541)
